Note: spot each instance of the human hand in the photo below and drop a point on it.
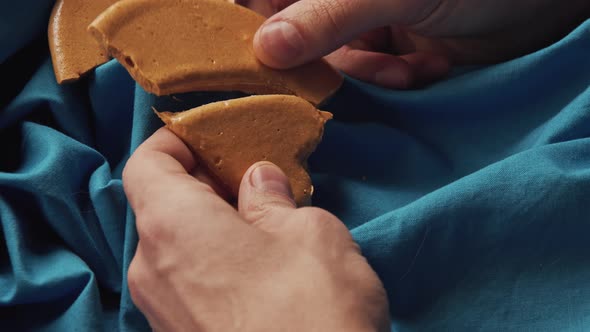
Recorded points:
(202, 265)
(408, 43)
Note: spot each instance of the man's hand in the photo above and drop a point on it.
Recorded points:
(406, 43)
(201, 265)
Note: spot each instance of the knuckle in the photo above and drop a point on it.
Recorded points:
(133, 163)
(324, 232)
(133, 186)
(314, 213)
(317, 220)
(133, 276)
(151, 228)
(126, 174)
(258, 209)
(129, 165)
(136, 281)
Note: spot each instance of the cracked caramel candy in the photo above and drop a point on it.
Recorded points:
(173, 46)
(73, 50)
(229, 136)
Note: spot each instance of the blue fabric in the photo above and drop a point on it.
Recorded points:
(470, 198)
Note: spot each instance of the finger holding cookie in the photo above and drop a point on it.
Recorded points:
(201, 265)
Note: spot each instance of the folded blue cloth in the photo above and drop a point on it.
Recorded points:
(470, 198)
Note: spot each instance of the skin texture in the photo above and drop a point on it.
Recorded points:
(202, 45)
(229, 136)
(405, 44)
(202, 265)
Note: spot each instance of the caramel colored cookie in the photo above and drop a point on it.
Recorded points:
(172, 46)
(73, 51)
(229, 136)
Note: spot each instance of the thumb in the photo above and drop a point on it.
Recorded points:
(309, 29)
(265, 193)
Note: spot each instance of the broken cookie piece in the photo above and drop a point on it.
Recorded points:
(229, 136)
(172, 46)
(73, 51)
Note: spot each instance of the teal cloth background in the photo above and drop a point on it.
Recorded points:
(470, 198)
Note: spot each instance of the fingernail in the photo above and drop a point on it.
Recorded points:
(270, 178)
(282, 41)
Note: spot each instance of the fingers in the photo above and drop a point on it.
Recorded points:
(161, 162)
(266, 202)
(160, 191)
(265, 193)
(379, 68)
(310, 29)
(428, 67)
(390, 71)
